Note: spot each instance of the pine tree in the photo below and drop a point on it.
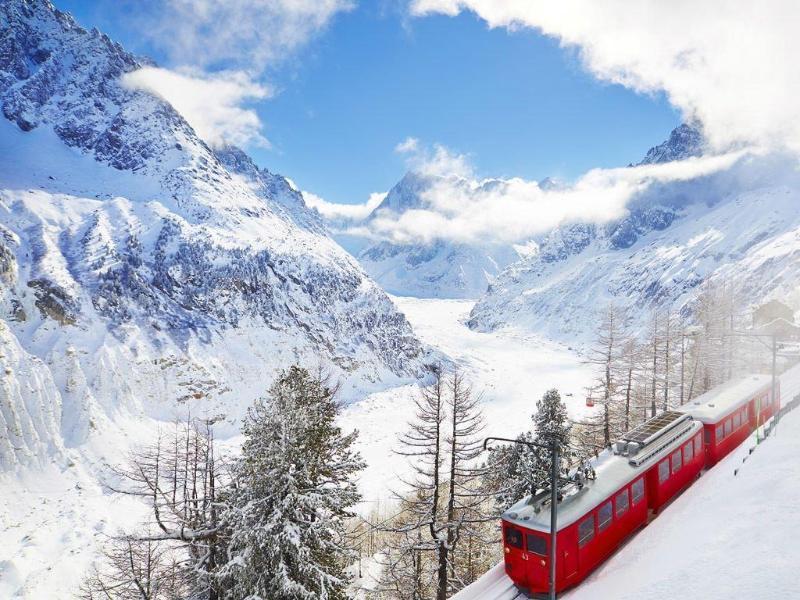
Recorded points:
(292, 495)
(517, 470)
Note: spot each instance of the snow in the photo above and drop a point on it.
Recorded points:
(511, 369)
(722, 400)
(743, 227)
(732, 534)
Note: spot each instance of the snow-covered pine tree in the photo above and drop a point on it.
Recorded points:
(292, 495)
(517, 470)
(510, 472)
(551, 423)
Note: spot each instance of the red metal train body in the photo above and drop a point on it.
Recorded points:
(634, 480)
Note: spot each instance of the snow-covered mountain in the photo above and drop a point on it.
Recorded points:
(142, 270)
(440, 268)
(738, 225)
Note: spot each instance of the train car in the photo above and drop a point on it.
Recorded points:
(643, 472)
(731, 412)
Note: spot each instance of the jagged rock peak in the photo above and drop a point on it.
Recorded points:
(684, 141)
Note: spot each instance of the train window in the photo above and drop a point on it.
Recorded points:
(688, 453)
(537, 544)
(622, 503)
(604, 516)
(663, 471)
(737, 420)
(586, 531)
(637, 490)
(708, 435)
(720, 433)
(698, 445)
(514, 537)
(677, 463)
(728, 426)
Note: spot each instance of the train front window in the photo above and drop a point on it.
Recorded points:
(586, 531)
(514, 537)
(537, 544)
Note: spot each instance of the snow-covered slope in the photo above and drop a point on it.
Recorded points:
(440, 268)
(142, 271)
(729, 535)
(741, 224)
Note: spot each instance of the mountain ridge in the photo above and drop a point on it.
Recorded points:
(142, 271)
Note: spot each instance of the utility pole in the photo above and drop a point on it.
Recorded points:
(553, 447)
(553, 515)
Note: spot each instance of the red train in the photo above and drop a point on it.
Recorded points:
(634, 480)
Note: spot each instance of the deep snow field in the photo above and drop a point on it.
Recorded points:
(510, 368)
(51, 522)
(728, 536)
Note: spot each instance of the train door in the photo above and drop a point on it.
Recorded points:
(538, 561)
(569, 558)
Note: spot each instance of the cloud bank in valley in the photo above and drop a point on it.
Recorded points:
(339, 214)
(515, 210)
(730, 64)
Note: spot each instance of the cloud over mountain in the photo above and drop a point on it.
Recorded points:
(731, 64)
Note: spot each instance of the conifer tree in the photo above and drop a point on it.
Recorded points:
(517, 470)
(292, 494)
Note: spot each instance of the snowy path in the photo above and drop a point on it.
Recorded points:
(511, 369)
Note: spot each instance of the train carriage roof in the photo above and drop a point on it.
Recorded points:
(613, 472)
(719, 402)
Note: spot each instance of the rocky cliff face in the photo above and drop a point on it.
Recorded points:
(141, 269)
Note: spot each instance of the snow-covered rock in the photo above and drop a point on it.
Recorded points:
(142, 270)
(440, 268)
(741, 225)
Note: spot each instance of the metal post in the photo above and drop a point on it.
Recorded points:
(553, 516)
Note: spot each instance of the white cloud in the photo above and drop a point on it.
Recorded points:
(410, 144)
(731, 64)
(436, 160)
(214, 105)
(515, 210)
(243, 34)
(337, 214)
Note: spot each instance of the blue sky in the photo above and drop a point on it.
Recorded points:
(515, 102)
